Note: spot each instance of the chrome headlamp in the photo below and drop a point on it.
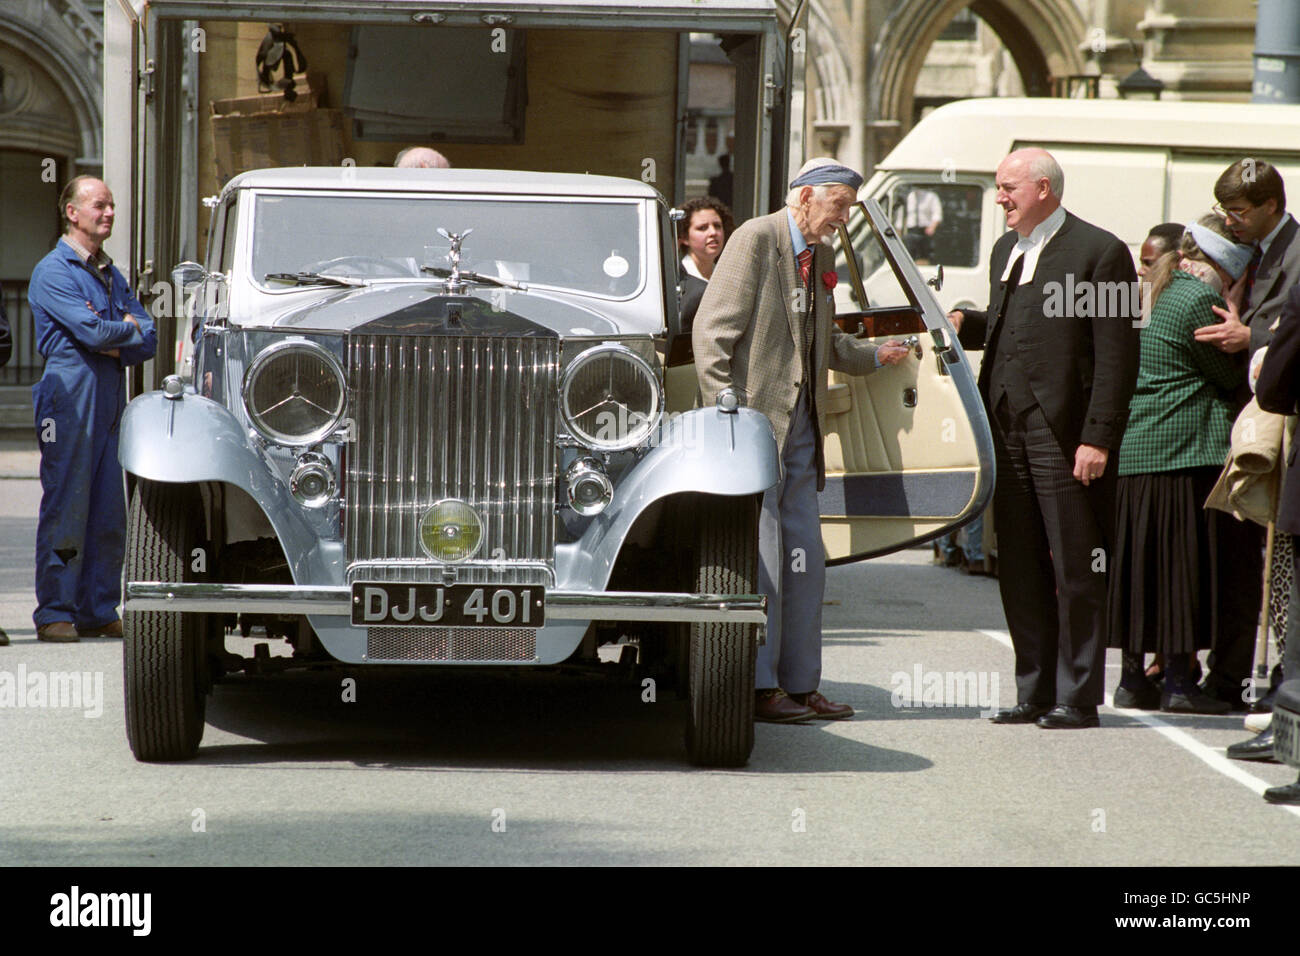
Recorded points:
(610, 398)
(295, 392)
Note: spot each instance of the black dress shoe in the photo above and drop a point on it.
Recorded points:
(4, 638)
(1287, 794)
(1193, 702)
(1259, 747)
(1065, 717)
(1264, 705)
(1020, 714)
(1224, 690)
(1145, 698)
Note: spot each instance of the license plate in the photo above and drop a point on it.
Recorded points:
(436, 605)
(1286, 736)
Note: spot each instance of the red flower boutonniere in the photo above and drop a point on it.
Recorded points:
(829, 279)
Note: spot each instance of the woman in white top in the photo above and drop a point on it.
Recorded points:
(701, 233)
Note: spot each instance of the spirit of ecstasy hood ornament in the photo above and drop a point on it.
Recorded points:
(454, 285)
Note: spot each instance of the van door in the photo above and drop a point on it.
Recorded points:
(908, 450)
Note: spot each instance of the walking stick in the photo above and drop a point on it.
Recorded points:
(1265, 614)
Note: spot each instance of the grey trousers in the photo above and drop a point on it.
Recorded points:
(792, 565)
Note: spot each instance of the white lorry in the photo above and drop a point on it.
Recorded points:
(1128, 166)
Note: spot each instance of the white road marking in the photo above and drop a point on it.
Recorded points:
(1002, 637)
(1207, 755)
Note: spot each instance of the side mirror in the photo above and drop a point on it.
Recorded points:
(936, 280)
(187, 275)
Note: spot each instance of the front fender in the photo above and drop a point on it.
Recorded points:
(194, 439)
(190, 439)
(703, 450)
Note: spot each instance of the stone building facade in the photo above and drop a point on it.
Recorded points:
(51, 129)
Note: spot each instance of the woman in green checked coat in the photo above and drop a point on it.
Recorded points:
(1167, 587)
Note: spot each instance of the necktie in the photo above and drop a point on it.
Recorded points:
(1250, 273)
(805, 265)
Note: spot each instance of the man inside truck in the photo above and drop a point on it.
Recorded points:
(421, 157)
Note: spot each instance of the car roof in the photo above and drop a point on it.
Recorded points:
(978, 133)
(389, 179)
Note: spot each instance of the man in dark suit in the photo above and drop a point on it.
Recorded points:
(1252, 201)
(1059, 368)
(1278, 390)
(1251, 198)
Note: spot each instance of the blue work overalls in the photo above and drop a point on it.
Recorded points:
(81, 537)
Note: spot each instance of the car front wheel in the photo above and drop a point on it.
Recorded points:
(163, 653)
(720, 698)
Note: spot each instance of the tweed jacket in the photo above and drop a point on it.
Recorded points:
(749, 330)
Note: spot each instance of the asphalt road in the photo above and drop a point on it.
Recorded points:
(440, 768)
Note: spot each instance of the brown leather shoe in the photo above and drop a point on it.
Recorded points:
(776, 707)
(824, 708)
(57, 632)
(111, 629)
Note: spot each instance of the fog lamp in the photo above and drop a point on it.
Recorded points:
(312, 481)
(451, 531)
(590, 490)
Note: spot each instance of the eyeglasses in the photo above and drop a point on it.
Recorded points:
(1230, 214)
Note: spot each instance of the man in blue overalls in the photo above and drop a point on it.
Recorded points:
(89, 327)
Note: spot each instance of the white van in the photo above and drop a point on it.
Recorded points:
(1128, 166)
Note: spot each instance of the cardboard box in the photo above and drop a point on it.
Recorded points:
(310, 88)
(253, 132)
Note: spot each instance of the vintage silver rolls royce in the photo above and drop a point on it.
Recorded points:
(425, 420)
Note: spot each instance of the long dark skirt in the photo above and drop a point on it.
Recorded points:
(1163, 590)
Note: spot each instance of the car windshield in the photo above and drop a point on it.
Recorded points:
(588, 246)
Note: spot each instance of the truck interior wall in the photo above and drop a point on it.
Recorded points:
(598, 102)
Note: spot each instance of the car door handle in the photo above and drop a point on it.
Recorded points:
(942, 351)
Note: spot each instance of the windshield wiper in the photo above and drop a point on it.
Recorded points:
(316, 278)
(467, 276)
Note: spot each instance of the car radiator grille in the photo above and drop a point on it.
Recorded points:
(445, 416)
(451, 644)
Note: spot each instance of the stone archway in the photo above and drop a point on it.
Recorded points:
(1042, 36)
(50, 98)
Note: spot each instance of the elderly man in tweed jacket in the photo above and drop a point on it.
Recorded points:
(764, 330)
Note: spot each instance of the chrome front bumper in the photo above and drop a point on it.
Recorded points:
(560, 605)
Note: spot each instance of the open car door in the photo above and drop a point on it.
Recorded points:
(909, 455)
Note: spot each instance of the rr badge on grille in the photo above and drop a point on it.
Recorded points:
(451, 531)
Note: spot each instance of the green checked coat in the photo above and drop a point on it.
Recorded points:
(1182, 410)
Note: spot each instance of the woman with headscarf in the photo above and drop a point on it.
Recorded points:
(1167, 571)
